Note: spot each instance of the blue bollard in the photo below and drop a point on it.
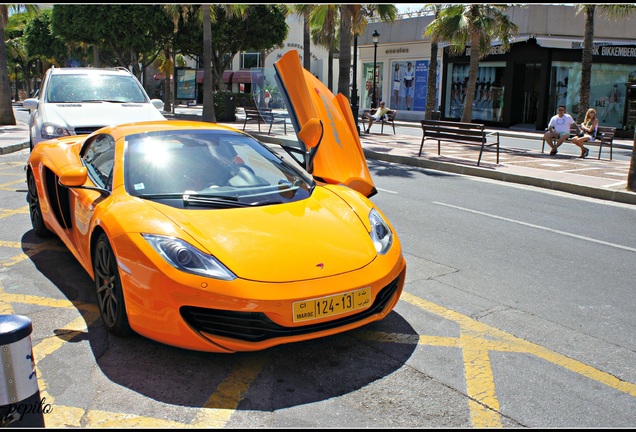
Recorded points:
(20, 403)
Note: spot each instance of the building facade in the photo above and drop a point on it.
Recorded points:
(522, 87)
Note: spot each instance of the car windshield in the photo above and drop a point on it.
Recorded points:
(217, 169)
(94, 88)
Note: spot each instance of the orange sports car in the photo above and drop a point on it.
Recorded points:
(201, 237)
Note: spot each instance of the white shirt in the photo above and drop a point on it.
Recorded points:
(561, 124)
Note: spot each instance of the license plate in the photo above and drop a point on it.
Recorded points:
(308, 310)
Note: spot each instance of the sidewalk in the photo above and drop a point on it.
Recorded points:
(603, 179)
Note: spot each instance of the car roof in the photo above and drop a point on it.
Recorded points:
(88, 71)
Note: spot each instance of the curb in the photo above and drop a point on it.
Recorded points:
(11, 148)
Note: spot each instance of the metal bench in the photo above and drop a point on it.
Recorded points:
(463, 133)
(265, 116)
(390, 119)
(604, 136)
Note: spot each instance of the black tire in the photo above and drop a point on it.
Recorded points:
(110, 296)
(35, 212)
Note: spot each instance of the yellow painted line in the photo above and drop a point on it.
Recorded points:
(221, 405)
(5, 186)
(477, 339)
(31, 250)
(10, 212)
(480, 383)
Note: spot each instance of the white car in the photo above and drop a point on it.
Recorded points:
(78, 101)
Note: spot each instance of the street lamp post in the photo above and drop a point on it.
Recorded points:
(354, 89)
(376, 39)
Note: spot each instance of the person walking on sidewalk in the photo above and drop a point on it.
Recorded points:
(588, 132)
(558, 129)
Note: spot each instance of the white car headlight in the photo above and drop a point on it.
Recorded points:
(381, 234)
(52, 130)
(185, 257)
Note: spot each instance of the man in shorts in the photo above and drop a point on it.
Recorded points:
(379, 113)
(558, 129)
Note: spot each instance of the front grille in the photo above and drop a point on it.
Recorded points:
(85, 130)
(256, 327)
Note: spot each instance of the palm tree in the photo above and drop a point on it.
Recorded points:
(431, 85)
(6, 107)
(612, 11)
(473, 25)
(324, 24)
(353, 20)
(304, 10)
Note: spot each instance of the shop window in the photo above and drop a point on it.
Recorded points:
(250, 60)
(489, 91)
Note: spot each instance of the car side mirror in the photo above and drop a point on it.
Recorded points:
(157, 103)
(74, 177)
(311, 133)
(31, 103)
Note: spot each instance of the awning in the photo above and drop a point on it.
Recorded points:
(242, 77)
(577, 42)
(227, 76)
(199, 77)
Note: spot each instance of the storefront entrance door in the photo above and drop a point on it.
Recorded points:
(526, 97)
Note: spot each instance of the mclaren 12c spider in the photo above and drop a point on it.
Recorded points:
(199, 236)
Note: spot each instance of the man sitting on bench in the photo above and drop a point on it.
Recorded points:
(380, 114)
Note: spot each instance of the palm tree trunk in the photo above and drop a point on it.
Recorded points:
(344, 64)
(6, 107)
(431, 85)
(586, 63)
(306, 41)
(631, 175)
(208, 113)
(467, 114)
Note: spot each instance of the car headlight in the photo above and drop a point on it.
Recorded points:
(185, 257)
(52, 130)
(381, 234)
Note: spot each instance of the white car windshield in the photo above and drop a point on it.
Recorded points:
(209, 169)
(94, 88)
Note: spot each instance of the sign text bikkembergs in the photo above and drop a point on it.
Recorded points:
(606, 50)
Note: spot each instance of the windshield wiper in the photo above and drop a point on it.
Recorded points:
(220, 200)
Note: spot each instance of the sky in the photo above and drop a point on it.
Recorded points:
(402, 7)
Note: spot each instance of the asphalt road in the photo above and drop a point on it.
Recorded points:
(517, 312)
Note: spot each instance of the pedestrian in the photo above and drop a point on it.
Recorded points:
(588, 132)
(377, 116)
(558, 129)
(268, 97)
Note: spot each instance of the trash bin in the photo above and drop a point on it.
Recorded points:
(20, 403)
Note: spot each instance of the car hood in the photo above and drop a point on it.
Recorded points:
(100, 113)
(338, 158)
(316, 237)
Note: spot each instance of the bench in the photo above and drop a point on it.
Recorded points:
(390, 119)
(265, 116)
(463, 133)
(604, 136)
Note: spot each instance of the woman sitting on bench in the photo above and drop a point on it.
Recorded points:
(380, 114)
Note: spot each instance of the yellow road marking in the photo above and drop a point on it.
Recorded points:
(32, 249)
(476, 340)
(5, 186)
(10, 212)
(224, 401)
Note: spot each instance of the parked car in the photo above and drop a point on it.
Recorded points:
(199, 236)
(77, 101)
